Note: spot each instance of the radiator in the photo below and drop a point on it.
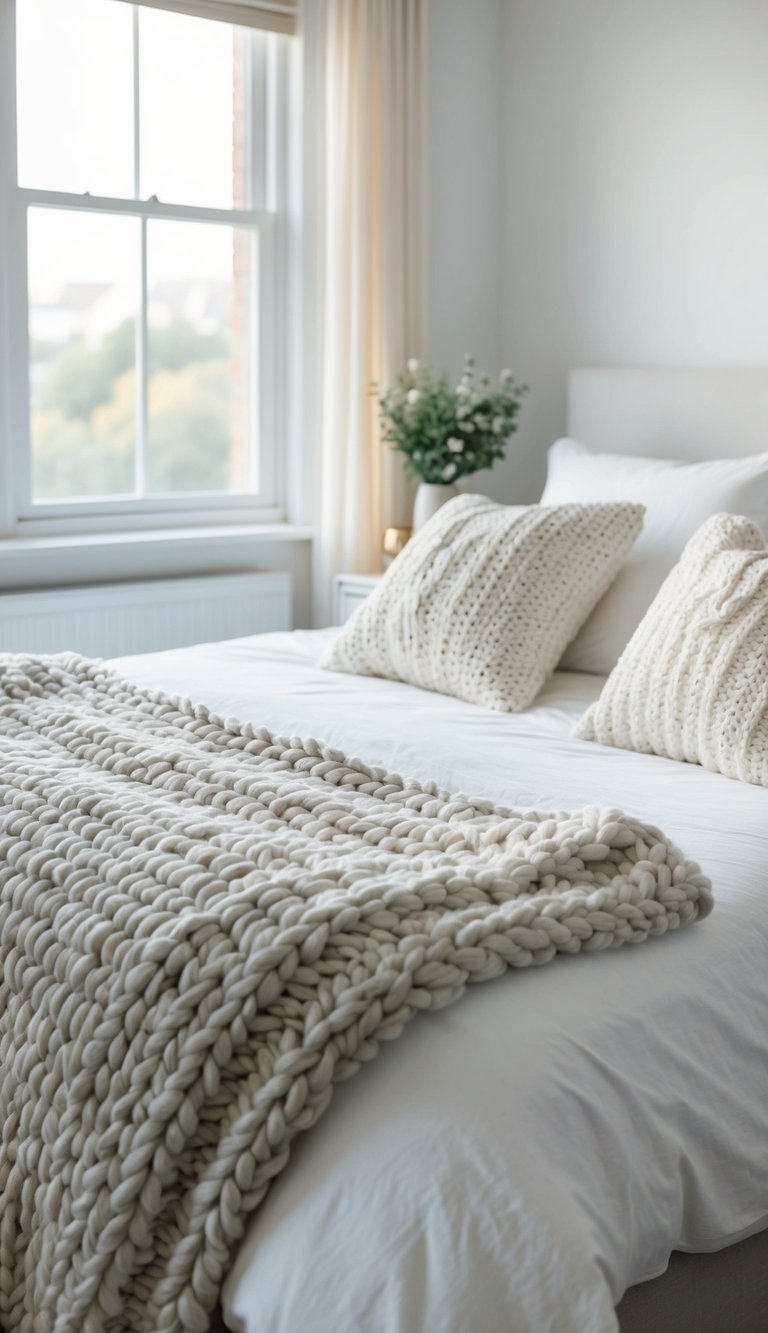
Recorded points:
(112, 620)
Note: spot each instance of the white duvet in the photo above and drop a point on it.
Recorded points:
(512, 1164)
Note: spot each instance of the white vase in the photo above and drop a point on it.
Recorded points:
(429, 498)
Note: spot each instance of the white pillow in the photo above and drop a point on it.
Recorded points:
(692, 683)
(483, 599)
(678, 497)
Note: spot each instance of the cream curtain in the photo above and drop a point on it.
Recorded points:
(364, 86)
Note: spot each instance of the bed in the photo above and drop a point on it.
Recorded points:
(587, 1123)
(206, 929)
(531, 1158)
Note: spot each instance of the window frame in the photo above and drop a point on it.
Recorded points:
(268, 103)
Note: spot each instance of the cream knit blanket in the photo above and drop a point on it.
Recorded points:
(202, 929)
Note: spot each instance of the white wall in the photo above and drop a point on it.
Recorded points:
(464, 181)
(635, 199)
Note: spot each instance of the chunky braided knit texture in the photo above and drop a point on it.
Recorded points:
(484, 598)
(202, 929)
(692, 682)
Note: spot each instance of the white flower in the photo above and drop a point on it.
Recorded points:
(413, 397)
(449, 471)
(461, 390)
(455, 445)
(462, 411)
(498, 425)
(468, 427)
(413, 366)
(506, 377)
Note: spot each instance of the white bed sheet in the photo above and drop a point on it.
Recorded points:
(517, 1161)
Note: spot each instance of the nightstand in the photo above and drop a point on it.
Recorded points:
(349, 590)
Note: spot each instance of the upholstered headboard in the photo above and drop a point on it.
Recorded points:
(687, 414)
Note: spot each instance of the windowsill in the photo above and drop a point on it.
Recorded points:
(229, 532)
(98, 557)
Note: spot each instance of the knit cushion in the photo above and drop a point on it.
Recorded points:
(692, 682)
(483, 600)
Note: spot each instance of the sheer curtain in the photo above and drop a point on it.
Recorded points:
(363, 130)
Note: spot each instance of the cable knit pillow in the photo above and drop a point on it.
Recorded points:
(484, 598)
(692, 682)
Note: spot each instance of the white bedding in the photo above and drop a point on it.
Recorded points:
(515, 1162)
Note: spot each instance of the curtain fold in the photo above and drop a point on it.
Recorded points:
(364, 195)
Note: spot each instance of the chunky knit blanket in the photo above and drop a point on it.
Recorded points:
(202, 929)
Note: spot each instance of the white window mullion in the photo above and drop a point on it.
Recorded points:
(263, 355)
(8, 229)
(274, 293)
(136, 106)
(142, 414)
(18, 361)
(140, 459)
(143, 208)
(274, 126)
(255, 147)
(15, 460)
(265, 347)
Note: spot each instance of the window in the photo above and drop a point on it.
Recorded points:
(144, 207)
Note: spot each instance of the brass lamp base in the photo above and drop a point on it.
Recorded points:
(393, 543)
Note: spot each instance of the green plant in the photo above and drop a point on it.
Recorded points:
(84, 413)
(447, 432)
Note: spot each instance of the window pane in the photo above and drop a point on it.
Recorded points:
(83, 295)
(75, 96)
(199, 278)
(191, 80)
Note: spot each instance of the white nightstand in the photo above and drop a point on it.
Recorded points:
(349, 590)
